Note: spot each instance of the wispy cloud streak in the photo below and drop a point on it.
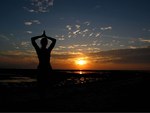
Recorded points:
(31, 22)
(144, 40)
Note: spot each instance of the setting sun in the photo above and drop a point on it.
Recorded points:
(81, 62)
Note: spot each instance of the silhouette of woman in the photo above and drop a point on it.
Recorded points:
(44, 54)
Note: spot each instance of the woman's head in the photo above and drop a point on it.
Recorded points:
(44, 42)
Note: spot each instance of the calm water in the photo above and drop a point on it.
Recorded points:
(27, 80)
(20, 85)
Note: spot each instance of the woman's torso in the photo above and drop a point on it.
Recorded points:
(44, 59)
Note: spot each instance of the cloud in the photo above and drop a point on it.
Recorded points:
(124, 56)
(8, 42)
(25, 44)
(18, 59)
(91, 34)
(39, 6)
(133, 47)
(71, 47)
(78, 26)
(145, 29)
(36, 21)
(28, 58)
(144, 40)
(106, 28)
(29, 32)
(86, 30)
(4, 37)
(84, 45)
(62, 47)
(61, 38)
(29, 10)
(97, 35)
(18, 53)
(87, 23)
(69, 36)
(75, 32)
(69, 27)
(29, 23)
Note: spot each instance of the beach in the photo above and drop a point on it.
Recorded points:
(76, 91)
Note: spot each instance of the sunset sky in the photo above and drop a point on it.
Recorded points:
(91, 34)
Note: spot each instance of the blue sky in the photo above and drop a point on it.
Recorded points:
(80, 26)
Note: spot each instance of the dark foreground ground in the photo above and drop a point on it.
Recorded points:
(114, 91)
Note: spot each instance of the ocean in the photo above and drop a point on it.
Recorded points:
(27, 77)
(76, 90)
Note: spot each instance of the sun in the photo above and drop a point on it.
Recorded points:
(81, 62)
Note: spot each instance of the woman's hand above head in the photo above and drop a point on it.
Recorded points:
(44, 34)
